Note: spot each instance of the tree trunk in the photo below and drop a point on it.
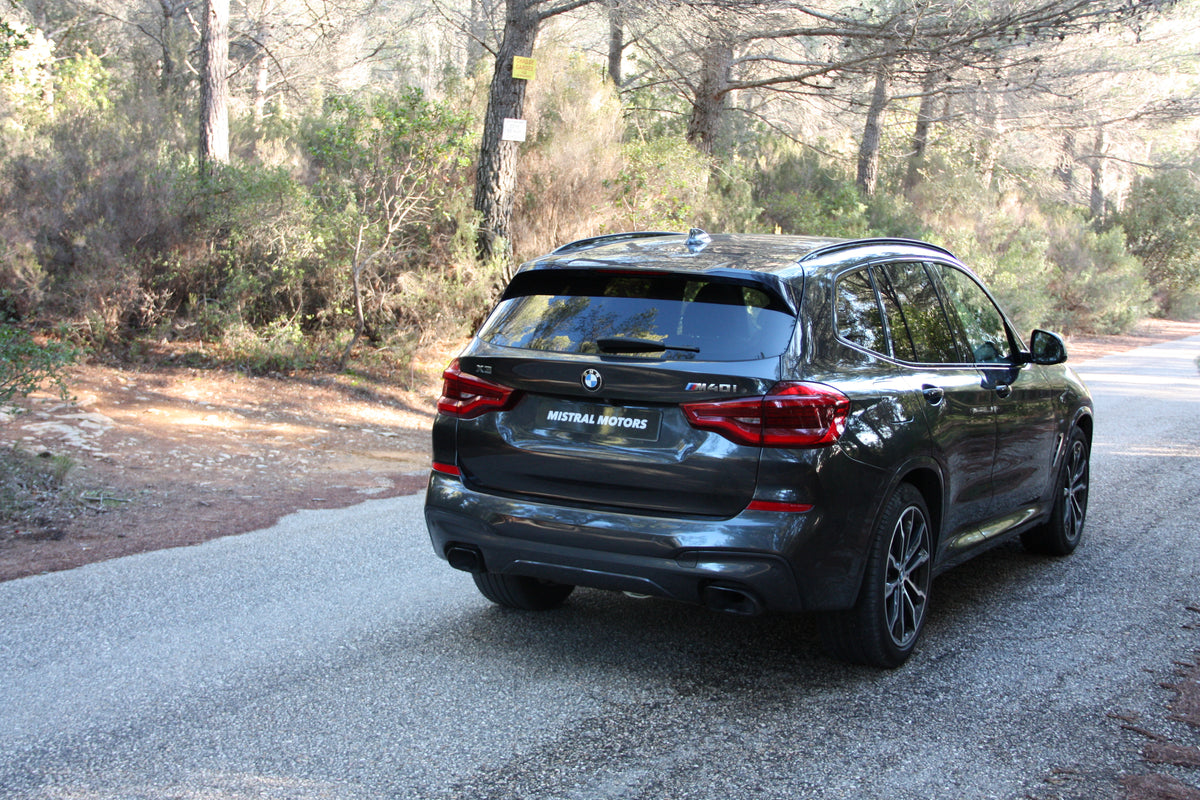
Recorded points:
(1065, 169)
(496, 176)
(993, 131)
(172, 14)
(262, 80)
(214, 85)
(920, 140)
(711, 95)
(1098, 165)
(477, 33)
(868, 151)
(616, 41)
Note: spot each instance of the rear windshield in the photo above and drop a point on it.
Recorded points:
(640, 315)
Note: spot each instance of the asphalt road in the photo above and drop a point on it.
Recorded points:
(334, 656)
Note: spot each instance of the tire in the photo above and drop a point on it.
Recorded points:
(518, 591)
(885, 624)
(1061, 534)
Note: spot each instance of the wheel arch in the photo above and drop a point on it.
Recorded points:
(928, 482)
(925, 475)
(1085, 422)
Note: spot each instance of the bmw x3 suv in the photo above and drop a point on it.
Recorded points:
(756, 424)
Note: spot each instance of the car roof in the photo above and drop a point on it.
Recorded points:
(698, 251)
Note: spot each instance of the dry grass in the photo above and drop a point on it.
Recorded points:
(31, 491)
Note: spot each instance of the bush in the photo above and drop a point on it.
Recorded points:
(578, 178)
(1161, 221)
(26, 365)
(102, 227)
(800, 194)
(1046, 266)
(85, 201)
(662, 184)
(253, 256)
(1005, 244)
(1099, 286)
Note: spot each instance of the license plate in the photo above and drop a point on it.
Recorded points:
(603, 422)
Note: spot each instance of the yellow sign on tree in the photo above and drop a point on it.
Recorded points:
(524, 69)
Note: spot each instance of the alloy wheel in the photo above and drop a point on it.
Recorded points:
(906, 583)
(1075, 491)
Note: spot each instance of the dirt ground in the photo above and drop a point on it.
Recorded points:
(170, 456)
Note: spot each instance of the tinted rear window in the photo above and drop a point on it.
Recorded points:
(647, 315)
(858, 318)
(918, 322)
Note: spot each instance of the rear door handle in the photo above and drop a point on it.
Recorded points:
(934, 394)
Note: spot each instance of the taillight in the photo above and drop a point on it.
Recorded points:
(467, 396)
(790, 415)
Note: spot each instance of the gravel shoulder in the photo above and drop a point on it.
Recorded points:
(171, 456)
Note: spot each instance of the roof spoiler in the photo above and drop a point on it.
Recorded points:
(608, 238)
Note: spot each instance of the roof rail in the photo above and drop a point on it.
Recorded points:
(608, 238)
(833, 248)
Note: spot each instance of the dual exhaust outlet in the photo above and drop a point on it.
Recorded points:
(725, 597)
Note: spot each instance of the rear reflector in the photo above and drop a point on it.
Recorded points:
(447, 469)
(790, 415)
(767, 505)
(468, 396)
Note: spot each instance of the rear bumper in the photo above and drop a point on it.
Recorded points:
(783, 561)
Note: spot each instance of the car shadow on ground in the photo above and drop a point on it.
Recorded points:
(692, 648)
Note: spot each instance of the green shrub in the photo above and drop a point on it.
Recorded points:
(1006, 245)
(1161, 221)
(26, 365)
(262, 255)
(800, 193)
(662, 184)
(388, 175)
(1046, 265)
(1099, 286)
(85, 202)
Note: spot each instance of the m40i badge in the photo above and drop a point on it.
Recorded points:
(711, 387)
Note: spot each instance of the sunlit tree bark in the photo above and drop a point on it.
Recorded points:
(214, 85)
(616, 41)
(868, 151)
(710, 97)
(496, 176)
(919, 144)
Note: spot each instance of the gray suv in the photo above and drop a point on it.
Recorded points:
(755, 424)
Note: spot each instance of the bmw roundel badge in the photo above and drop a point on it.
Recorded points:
(591, 380)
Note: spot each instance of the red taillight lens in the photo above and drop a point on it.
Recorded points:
(790, 415)
(803, 415)
(739, 420)
(467, 396)
(787, 508)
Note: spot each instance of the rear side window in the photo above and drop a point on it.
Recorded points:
(859, 320)
(921, 331)
(649, 315)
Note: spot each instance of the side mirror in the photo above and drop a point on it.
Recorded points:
(1046, 348)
